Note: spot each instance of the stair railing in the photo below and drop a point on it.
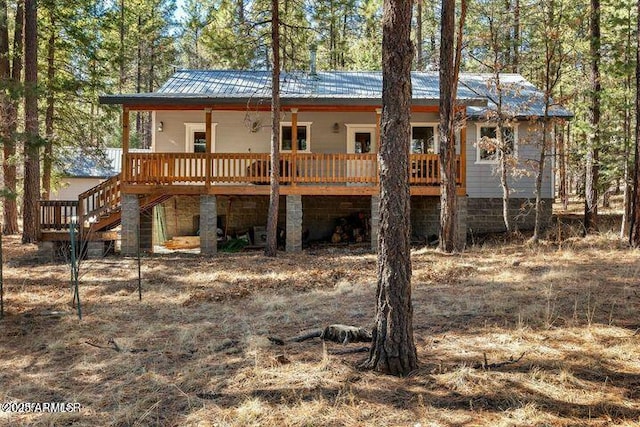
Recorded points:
(102, 199)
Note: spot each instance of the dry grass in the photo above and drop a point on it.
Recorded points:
(194, 350)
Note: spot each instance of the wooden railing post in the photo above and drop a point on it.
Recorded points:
(125, 143)
(294, 144)
(378, 140)
(207, 155)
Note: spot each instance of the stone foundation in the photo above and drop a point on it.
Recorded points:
(294, 224)
(322, 212)
(130, 224)
(183, 215)
(375, 221)
(425, 217)
(208, 225)
(315, 216)
(485, 215)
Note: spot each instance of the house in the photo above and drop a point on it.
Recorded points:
(82, 168)
(209, 165)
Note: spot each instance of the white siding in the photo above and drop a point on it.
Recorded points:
(70, 188)
(233, 134)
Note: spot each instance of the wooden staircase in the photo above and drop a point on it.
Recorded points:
(98, 209)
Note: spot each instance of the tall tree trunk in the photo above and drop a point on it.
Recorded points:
(5, 80)
(139, 76)
(32, 143)
(592, 160)
(393, 350)
(634, 235)
(47, 159)
(626, 189)
(516, 36)
(563, 191)
(121, 58)
(10, 220)
(271, 248)
(420, 56)
(449, 68)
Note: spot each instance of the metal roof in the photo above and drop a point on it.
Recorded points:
(190, 87)
(520, 98)
(75, 162)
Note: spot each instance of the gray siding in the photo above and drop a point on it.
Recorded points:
(483, 180)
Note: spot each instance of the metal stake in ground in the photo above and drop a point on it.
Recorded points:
(74, 267)
(139, 269)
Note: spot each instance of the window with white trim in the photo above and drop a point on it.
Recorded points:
(304, 136)
(424, 138)
(487, 142)
(196, 137)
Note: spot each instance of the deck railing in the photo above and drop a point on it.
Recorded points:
(254, 168)
(57, 214)
(102, 199)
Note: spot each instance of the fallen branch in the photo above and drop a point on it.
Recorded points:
(486, 365)
(349, 351)
(341, 334)
(115, 347)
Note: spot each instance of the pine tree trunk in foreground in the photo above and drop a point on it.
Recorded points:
(271, 248)
(634, 235)
(592, 161)
(393, 350)
(10, 221)
(448, 208)
(32, 143)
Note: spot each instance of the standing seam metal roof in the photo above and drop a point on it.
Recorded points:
(520, 98)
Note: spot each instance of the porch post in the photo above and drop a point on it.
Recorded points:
(125, 143)
(294, 143)
(207, 155)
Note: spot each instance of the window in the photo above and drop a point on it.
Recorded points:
(199, 142)
(423, 139)
(196, 137)
(487, 143)
(304, 136)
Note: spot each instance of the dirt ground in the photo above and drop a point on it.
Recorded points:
(195, 351)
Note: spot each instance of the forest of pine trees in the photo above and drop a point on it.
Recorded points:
(90, 47)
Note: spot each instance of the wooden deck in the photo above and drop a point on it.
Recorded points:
(249, 173)
(155, 177)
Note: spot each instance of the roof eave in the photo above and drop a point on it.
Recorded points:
(181, 100)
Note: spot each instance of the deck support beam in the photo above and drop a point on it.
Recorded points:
(208, 136)
(294, 224)
(125, 142)
(208, 225)
(294, 145)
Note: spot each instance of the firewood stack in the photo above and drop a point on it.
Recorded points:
(352, 229)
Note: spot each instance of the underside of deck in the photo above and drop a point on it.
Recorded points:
(264, 190)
